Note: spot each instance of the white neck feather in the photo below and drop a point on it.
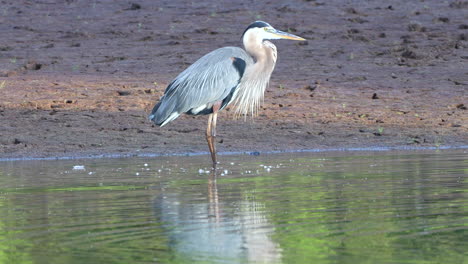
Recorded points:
(251, 90)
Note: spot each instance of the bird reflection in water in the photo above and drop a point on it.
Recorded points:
(226, 226)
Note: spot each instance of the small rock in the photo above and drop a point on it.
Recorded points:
(123, 93)
(5, 48)
(135, 6)
(32, 65)
(310, 87)
(147, 38)
(374, 96)
(416, 28)
(48, 46)
(461, 106)
(409, 54)
(150, 91)
(205, 31)
(444, 19)
(351, 10)
(358, 20)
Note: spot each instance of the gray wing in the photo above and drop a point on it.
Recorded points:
(211, 79)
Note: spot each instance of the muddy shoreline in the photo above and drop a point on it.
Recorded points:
(79, 78)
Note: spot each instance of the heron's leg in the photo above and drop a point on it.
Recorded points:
(213, 137)
(211, 132)
(209, 139)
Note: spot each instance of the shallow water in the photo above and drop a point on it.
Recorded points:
(353, 207)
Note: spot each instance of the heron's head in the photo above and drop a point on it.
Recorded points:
(260, 31)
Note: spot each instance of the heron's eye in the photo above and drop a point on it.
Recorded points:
(265, 28)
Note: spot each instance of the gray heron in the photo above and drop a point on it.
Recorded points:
(224, 76)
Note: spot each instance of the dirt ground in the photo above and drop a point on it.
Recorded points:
(80, 77)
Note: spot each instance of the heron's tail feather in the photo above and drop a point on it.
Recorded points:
(161, 114)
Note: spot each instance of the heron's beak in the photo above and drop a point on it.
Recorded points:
(284, 35)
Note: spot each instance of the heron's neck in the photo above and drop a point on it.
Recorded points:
(252, 87)
(263, 52)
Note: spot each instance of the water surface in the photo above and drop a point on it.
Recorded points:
(354, 207)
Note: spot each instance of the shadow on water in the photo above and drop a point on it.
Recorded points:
(352, 207)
